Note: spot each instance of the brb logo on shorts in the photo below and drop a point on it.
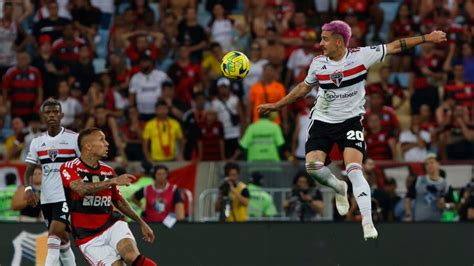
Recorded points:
(97, 201)
(336, 78)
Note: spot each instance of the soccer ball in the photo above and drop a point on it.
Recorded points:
(235, 65)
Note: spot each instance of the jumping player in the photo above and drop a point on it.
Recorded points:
(336, 117)
(91, 188)
(51, 150)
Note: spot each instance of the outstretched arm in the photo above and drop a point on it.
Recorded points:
(82, 188)
(299, 91)
(402, 45)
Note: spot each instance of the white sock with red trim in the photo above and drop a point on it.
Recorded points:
(66, 255)
(54, 242)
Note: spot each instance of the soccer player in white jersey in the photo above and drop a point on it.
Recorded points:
(51, 150)
(340, 74)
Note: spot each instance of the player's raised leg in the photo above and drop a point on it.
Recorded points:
(128, 250)
(316, 169)
(353, 160)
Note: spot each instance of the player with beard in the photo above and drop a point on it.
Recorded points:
(91, 188)
(340, 74)
(51, 149)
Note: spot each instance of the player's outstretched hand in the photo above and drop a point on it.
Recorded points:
(31, 198)
(436, 36)
(267, 108)
(124, 180)
(148, 234)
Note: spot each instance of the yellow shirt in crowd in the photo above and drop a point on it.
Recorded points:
(163, 136)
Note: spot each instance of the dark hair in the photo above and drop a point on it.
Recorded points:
(304, 174)
(51, 102)
(230, 166)
(5, 4)
(35, 118)
(168, 84)
(10, 179)
(160, 103)
(159, 167)
(256, 178)
(199, 94)
(84, 133)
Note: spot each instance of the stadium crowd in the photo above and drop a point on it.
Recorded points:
(148, 74)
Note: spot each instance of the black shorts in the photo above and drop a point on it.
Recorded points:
(58, 211)
(348, 134)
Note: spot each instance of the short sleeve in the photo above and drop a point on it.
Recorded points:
(373, 54)
(68, 175)
(177, 198)
(76, 147)
(311, 79)
(245, 193)
(32, 156)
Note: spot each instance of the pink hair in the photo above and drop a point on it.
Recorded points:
(339, 27)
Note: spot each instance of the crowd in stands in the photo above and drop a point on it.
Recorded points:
(148, 74)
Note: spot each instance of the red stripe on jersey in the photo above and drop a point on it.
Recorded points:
(346, 73)
(60, 151)
(94, 221)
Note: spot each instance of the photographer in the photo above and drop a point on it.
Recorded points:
(466, 210)
(305, 203)
(430, 194)
(233, 198)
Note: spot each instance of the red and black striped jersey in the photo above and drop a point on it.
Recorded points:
(68, 53)
(377, 145)
(90, 214)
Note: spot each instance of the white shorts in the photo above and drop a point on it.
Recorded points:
(102, 250)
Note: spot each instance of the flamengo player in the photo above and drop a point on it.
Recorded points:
(51, 150)
(336, 117)
(91, 189)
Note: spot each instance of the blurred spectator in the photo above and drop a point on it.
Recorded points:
(211, 64)
(388, 118)
(161, 135)
(83, 69)
(67, 47)
(429, 194)
(427, 119)
(457, 136)
(186, 75)
(43, 12)
(16, 142)
(293, 37)
(178, 7)
(227, 4)
(5, 125)
(230, 114)
(468, 61)
(48, 65)
(162, 198)
(306, 202)
(415, 142)
(119, 74)
(70, 106)
(176, 106)
(20, 8)
(211, 140)
(23, 87)
(108, 124)
(402, 26)
(10, 30)
(51, 26)
(460, 89)
(300, 133)
(32, 131)
(132, 134)
(256, 70)
(389, 201)
(191, 121)
(138, 44)
(86, 17)
(274, 51)
(115, 99)
(28, 213)
(145, 16)
(300, 59)
(192, 35)
(387, 89)
(6, 197)
(372, 173)
(233, 199)
(145, 88)
(107, 8)
(261, 202)
(221, 28)
(268, 90)
(466, 209)
(381, 145)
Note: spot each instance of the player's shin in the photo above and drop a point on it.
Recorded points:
(143, 261)
(66, 255)
(323, 175)
(54, 242)
(361, 191)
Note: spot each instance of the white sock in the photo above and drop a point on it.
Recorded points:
(323, 175)
(361, 191)
(66, 255)
(54, 242)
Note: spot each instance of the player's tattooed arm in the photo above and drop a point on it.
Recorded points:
(405, 44)
(123, 206)
(82, 188)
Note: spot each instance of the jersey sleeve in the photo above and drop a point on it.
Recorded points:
(76, 147)
(147, 131)
(116, 195)
(311, 79)
(370, 55)
(68, 175)
(32, 156)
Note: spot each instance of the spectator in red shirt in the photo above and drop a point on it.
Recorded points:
(293, 37)
(67, 47)
(48, 65)
(381, 145)
(119, 73)
(211, 140)
(461, 90)
(387, 115)
(137, 44)
(23, 88)
(387, 89)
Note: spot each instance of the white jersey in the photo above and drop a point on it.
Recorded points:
(147, 89)
(342, 83)
(51, 153)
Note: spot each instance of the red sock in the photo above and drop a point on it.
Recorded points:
(143, 261)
